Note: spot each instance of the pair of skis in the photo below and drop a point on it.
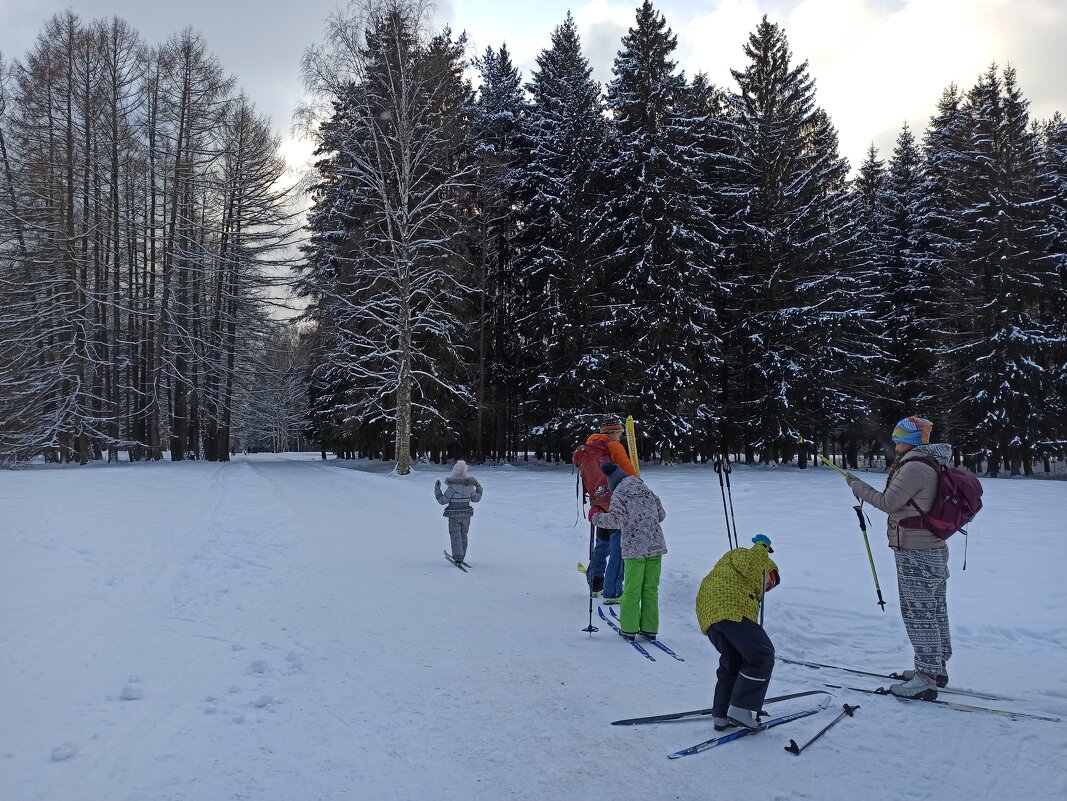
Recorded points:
(958, 706)
(460, 564)
(715, 742)
(1009, 713)
(858, 672)
(638, 646)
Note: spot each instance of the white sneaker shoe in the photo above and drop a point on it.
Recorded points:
(940, 678)
(918, 686)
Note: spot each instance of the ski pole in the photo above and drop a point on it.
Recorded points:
(591, 628)
(722, 466)
(822, 458)
(870, 558)
(727, 469)
(793, 748)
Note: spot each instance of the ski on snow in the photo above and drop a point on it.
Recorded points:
(951, 704)
(448, 556)
(693, 713)
(858, 672)
(737, 735)
(634, 643)
(656, 643)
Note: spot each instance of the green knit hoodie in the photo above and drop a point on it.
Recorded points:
(732, 590)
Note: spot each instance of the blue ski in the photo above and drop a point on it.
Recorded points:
(634, 643)
(736, 735)
(656, 643)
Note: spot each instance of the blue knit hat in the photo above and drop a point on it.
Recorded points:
(614, 473)
(913, 431)
(765, 540)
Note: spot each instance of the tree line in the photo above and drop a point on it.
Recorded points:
(490, 269)
(143, 235)
(489, 265)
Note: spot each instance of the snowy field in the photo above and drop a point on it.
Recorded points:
(283, 629)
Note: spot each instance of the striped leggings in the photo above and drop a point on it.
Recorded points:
(922, 576)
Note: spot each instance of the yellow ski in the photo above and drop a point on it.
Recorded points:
(631, 443)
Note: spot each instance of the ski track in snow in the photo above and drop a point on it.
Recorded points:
(295, 634)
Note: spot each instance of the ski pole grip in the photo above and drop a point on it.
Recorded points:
(859, 514)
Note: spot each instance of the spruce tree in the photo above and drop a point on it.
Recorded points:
(870, 200)
(657, 331)
(1053, 306)
(791, 331)
(496, 119)
(908, 292)
(1009, 405)
(557, 189)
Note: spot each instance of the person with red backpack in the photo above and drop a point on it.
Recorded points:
(605, 571)
(921, 556)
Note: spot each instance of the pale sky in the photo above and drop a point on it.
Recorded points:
(876, 63)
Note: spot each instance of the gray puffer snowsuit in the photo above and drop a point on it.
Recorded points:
(457, 499)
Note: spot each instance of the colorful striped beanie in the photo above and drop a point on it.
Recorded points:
(913, 431)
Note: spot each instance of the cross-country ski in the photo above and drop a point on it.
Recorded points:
(698, 713)
(958, 706)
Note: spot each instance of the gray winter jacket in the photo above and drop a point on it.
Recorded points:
(909, 480)
(459, 496)
(637, 512)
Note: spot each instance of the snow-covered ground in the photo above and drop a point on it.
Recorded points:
(280, 628)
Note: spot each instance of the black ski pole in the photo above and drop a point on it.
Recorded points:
(727, 469)
(793, 748)
(863, 528)
(591, 628)
(719, 469)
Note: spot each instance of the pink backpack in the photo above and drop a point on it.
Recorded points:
(959, 499)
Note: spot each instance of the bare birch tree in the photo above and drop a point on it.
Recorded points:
(386, 210)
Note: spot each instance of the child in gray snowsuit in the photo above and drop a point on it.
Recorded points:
(463, 490)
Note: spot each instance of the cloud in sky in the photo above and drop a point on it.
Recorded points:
(876, 63)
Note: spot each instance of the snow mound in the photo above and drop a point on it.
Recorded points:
(134, 689)
(64, 751)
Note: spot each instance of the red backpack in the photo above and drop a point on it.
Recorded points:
(588, 458)
(959, 499)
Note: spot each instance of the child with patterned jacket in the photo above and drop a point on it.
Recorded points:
(463, 490)
(637, 512)
(727, 607)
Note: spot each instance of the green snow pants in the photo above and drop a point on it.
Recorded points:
(639, 608)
